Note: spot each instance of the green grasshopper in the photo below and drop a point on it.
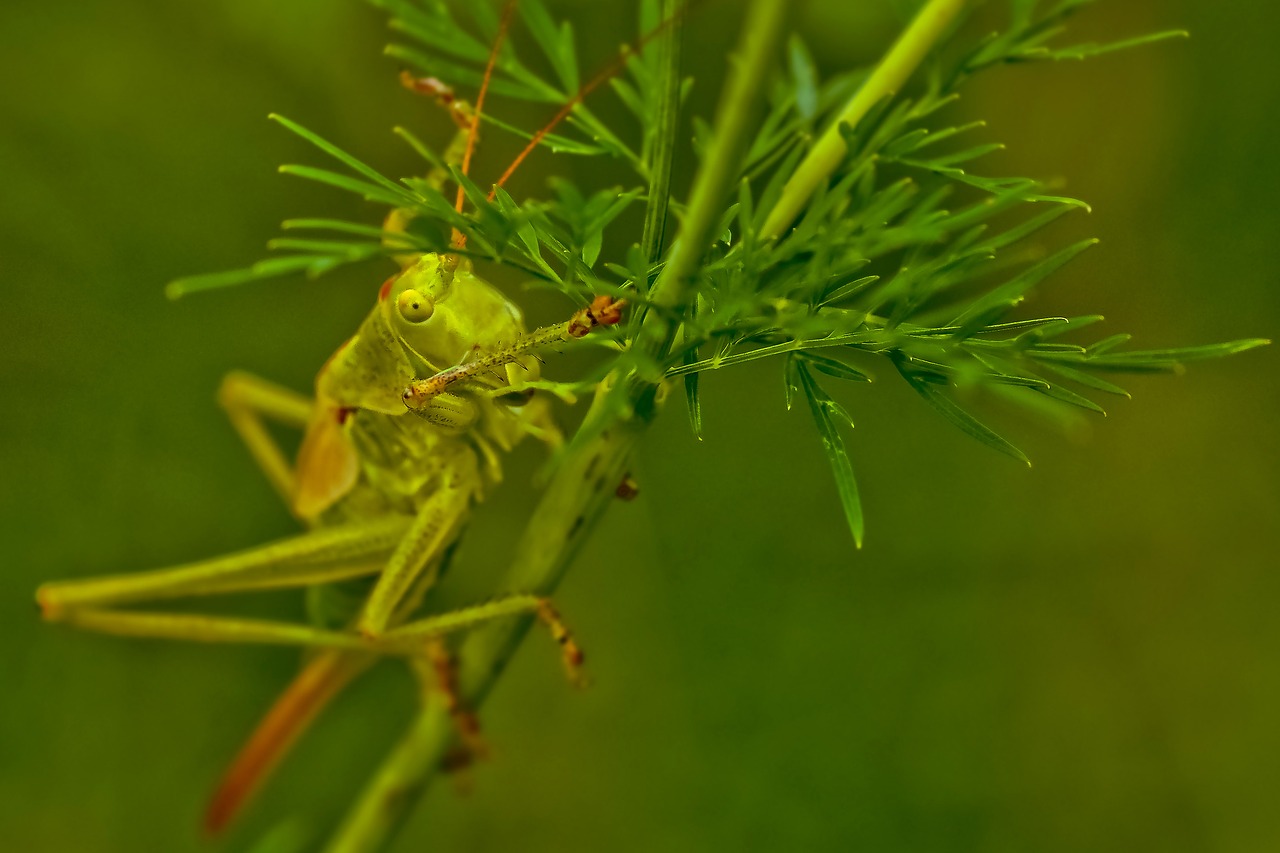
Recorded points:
(401, 440)
(386, 489)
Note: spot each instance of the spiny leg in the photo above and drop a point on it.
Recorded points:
(437, 667)
(247, 400)
(453, 413)
(202, 628)
(333, 668)
(570, 652)
(406, 640)
(603, 311)
(435, 527)
(439, 664)
(461, 619)
(209, 629)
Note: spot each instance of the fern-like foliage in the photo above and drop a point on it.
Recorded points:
(906, 254)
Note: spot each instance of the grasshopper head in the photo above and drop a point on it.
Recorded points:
(427, 319)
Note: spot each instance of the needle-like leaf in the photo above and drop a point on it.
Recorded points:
(826, 412)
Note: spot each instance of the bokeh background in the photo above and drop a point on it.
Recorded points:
(1080, 656)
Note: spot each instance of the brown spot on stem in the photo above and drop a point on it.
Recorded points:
(628, 489)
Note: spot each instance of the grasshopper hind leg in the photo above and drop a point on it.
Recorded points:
(317, 556)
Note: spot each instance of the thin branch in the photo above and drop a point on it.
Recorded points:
(473, 131)
(889, 76)
(662, 31)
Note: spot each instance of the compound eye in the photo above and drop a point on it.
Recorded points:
(414, 307)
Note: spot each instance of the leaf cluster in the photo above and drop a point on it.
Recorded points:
(907, 254)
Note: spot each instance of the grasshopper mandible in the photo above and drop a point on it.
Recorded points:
(402, 438)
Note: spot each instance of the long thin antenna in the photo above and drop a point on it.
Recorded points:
(603, 75)
(460, 239)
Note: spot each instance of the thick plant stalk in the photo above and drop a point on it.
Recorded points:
(929, 25)
(585, 482)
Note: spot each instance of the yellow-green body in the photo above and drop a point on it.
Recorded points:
(384, 487)
(401, 455)
(384, 483)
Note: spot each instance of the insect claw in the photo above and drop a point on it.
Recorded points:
(604, 310)
(432, 87)
(446, 675)
(441, 93)
(571, 653)
(457, 759)
(457, 763)
(49, 611)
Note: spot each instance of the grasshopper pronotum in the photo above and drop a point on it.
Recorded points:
(402, 438)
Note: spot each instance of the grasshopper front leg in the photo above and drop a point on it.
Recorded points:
(452, 413)
(436, 525)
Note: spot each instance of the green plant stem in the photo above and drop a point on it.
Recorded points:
(583, 485)
(720, 168)
(888, 77)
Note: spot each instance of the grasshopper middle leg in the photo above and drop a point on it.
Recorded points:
(248, 400)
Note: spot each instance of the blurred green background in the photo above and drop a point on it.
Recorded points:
(1080, 656)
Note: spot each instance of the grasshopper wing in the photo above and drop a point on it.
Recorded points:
(328, 465)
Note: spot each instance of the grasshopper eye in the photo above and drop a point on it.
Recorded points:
(414, 307)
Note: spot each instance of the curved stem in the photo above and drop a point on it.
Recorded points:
(887, 78)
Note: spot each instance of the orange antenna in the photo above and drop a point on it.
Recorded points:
(604, 74)
(460, 239)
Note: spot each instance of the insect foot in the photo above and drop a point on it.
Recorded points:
(457, 763)
(423, 391)
(570, 651)
(49, 610)
(445, 670)
(604, 310)
(442, 93)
